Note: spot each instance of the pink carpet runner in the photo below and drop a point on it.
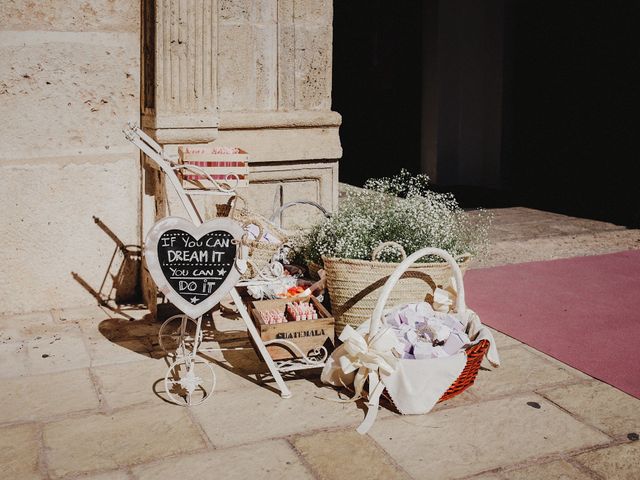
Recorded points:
(584, 311)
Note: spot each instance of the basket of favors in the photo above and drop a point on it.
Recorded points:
(375, 228)
(262, 240)
(416, 353)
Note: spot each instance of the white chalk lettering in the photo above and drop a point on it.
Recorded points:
(217, 242)
(168, 241)
(203, 273)
(200, 256)
(188, 286)
(191, 243)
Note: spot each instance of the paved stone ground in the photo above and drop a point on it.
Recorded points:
(82, 397)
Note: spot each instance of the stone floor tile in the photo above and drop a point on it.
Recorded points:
(57, 349)
(43, 347)
(272, 459)
(103, 351)
(19, 451)
(465, 398)
(486, 435)
(95, 314)
(346, 454)
(503, 340)
(256, 413)
(560, 246)
(91, 313)
(44, 396)
(119, 328)
(574, 371)
(601, 405)
(13, 359)
(558, 469)
(486, 476)
(131, 383)
(22, 327)
(112, 475)
(621, 462)
(98, 441)
(546, 228)
(520, 370)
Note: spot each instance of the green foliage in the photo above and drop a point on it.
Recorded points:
(400, 209)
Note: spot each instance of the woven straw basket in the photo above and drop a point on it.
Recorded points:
(260, 252)
(355, 285)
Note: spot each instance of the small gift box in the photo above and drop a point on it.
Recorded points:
(226, 165)
(288, 338)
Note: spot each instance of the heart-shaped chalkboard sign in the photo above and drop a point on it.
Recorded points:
(193, 266)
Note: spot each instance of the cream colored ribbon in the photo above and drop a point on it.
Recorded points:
(369, 358)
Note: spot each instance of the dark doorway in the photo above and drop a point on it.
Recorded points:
(571, 141)
(527, 103)
(376, 86)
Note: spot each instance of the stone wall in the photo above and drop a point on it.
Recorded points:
(69, 80)
(258, 78)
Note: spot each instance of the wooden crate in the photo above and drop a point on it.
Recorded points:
(306, 334)
(217, 165)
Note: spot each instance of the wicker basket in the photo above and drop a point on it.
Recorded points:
(404, 385)
(260, 252)
(475, 354)
(354, 285)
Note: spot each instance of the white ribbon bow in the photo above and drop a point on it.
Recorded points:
(369, 358)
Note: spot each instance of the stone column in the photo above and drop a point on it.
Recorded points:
(254, 74)
(179, 75)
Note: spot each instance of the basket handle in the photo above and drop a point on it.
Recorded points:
(233, 203)
(276, 215)
(378, 250)
(376, 317)
(257, 222)
(263, 225)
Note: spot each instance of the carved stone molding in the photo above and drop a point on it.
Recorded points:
(179, 70)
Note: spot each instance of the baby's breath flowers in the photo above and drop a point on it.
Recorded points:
(397, 209)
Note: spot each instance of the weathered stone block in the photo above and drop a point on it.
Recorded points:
(593, 402)
(99, 442)
(19, 447)
(38, 398)
(332, 455)
(521, 433)
(67, 93)
(558, 469)
(236, 64)
(313, 67)
(285, 144)
(71, 15)
(265, 11)
(317, 12)
(274, 459)
(50, 231)
(266, 66)
(619, 462)
(304, 412)
(247, 60)
(521, 370)
(235, 11)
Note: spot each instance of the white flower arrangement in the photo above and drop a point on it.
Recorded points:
(397, 209)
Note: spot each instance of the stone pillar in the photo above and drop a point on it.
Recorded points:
(179, 75)
(255, 74)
